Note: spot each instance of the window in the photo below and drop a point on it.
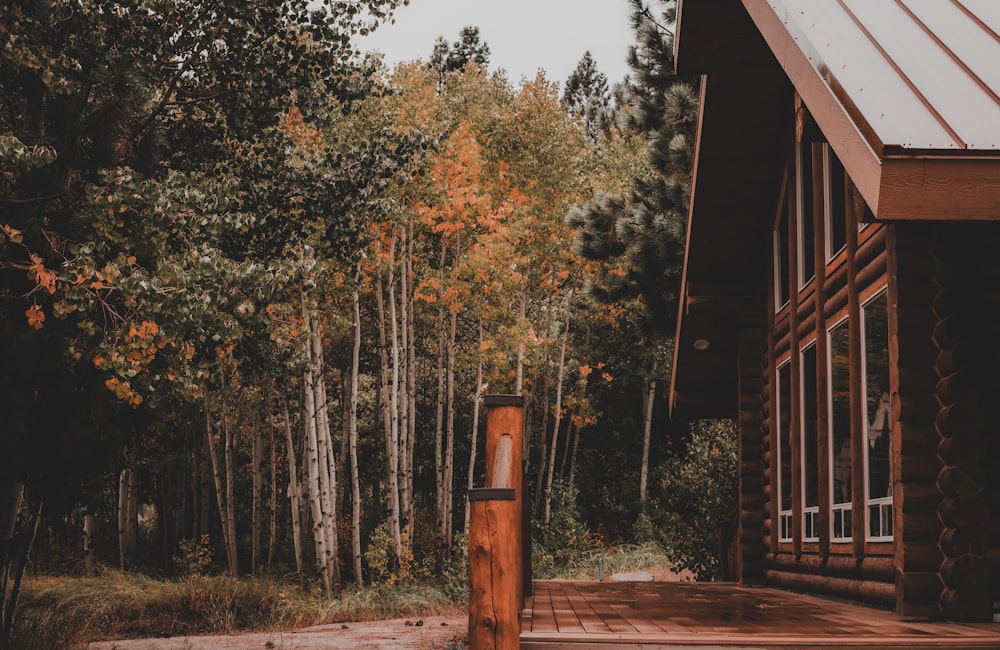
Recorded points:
(810, 448)
(781, 266)
(834, 189)
(784, 455)
(804, 194)
(878, 469)
(840, 432)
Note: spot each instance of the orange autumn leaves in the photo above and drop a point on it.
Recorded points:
(137, 349)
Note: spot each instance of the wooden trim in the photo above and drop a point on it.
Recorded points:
(859, 512)
(928, 188)
(795, 370)
(818, 209)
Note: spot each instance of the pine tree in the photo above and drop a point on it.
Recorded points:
(646, 225)
(586, 97)
(468, 47)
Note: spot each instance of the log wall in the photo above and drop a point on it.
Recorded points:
(915, 467)
(966, 389)
(752, 503)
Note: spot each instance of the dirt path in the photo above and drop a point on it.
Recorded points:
(428, 633)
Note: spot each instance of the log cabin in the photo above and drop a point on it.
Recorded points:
(841, 288)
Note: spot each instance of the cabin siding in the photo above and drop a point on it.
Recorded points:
(885, 363)
(912, 354)
(966, 367)
(752, 475)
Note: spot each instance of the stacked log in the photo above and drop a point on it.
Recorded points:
(752, 503)
(964, 512)
(916, 495)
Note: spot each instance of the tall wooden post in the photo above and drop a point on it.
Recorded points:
(496, 581)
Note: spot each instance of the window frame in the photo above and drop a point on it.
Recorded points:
(810, 513)
(829, 223)
(785, 514)
(805, 270)
(884, 504)
(839, 509)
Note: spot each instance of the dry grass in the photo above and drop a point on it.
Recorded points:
(60, 612)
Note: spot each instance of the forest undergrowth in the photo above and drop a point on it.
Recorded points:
(67, 611)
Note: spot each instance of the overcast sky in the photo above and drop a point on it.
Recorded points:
(523, 35)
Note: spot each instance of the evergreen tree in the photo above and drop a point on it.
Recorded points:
(468, 47)
(646, 225)
(586, 97)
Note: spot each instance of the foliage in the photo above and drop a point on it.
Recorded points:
(381, 561)
(558, 545)
(650, 557)
(586, 98)
(194, 556)
(467, 49)
(695, 504)
(645, 225)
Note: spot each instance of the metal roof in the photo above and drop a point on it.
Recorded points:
(915, 74)
(896, 85)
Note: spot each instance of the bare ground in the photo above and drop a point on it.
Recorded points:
(447, 632)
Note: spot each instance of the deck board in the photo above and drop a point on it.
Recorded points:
(576, 615)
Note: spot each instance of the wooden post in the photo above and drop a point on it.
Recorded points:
(496, 581)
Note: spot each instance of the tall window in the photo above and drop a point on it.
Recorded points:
(834, 190)
(878, 473)
(840, 432)
(810, 451)
(781, 264)
(804, 193)
(784, 410)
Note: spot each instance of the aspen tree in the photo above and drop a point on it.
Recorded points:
(352, 433)
(294, 492)
(558, 410)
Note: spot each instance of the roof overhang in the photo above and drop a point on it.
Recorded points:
(745, 110)
(909, 159)
(906, 94)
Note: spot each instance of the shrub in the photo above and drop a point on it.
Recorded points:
(696, 499)
(559, 545)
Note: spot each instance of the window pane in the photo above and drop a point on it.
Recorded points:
(810, 465)
(840, 412)
(836, 210)
(807, 258)
(784, 437)
(781, 267)
(876, 329)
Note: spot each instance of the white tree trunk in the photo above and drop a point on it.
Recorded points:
(405, 444)
(352, 432)
(411, 384)
(439, 489)
(473, 443)
(294, 493)
(313, 462)
(389, 375)
(327, 467)
(449, 454)
(558, 413)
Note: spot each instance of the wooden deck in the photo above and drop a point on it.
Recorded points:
(571, 615)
